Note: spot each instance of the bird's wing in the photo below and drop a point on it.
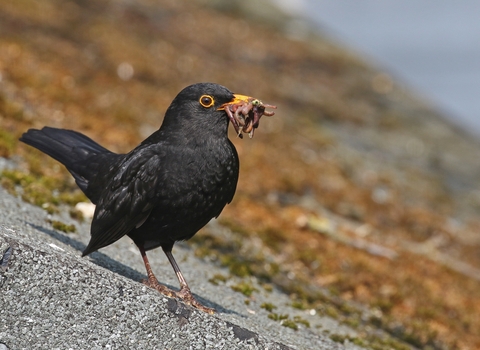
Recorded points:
(128, 199)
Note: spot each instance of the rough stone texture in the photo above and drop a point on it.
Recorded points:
(51, 298)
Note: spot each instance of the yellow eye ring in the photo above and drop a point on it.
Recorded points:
(206, 101)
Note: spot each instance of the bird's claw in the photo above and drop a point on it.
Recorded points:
(186, 296)
(159, 287)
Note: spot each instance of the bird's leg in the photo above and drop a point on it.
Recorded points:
(152, 280)
(185, 294)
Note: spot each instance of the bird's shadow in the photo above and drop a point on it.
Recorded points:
(108, 263)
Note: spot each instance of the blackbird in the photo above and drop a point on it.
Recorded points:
(164, 190)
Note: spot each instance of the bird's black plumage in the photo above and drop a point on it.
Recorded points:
(165, 189)
(174, 182)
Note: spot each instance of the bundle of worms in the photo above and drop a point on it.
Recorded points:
(245, 116)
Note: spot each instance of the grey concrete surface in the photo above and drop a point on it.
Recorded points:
(51, 298)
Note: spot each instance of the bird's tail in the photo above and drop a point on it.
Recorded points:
(77, 152)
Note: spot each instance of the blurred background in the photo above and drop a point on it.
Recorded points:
(431, 45)
(360, 194)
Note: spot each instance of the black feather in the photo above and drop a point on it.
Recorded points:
(84, 158)
(164, 190)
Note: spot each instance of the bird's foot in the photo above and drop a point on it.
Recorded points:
(187, 297)
(160, 287)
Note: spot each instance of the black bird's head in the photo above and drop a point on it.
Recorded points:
(195, 110)
(201, 109)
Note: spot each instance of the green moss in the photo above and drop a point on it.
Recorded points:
(18, 177)
(202, 252)
(273, 238)
(277, 317)
(40, 191)
(273, 316)
(38, 194)
(53, 183)
(351, 321)
(359, 341)
(427, 312)
(290, 324)
(58, 225)
(9, 185)
(50, 208)
(268, 287)
(371, 341)
(274, 269)
(355, 340)
(268, 306)
(236, 266)
(383, 304)
(213, 246)
(349, 310)
(376, 321)
(226, 252)
(72, 198)
(334, 290)
(307, 256)
(8, 143)
(299, 305)
(234, 227)
(247, 301)
(298, 319)
(331, 311)
(413, 338)
(245, 288)
(338, 338)
(386, 343)
(76, 214)
(217, 278)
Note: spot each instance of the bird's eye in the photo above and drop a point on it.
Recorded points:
(206, 101)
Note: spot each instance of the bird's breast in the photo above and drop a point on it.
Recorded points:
(195, 189)
(193, 183)
(206, 176)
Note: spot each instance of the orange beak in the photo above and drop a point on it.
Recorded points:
(236, 99)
